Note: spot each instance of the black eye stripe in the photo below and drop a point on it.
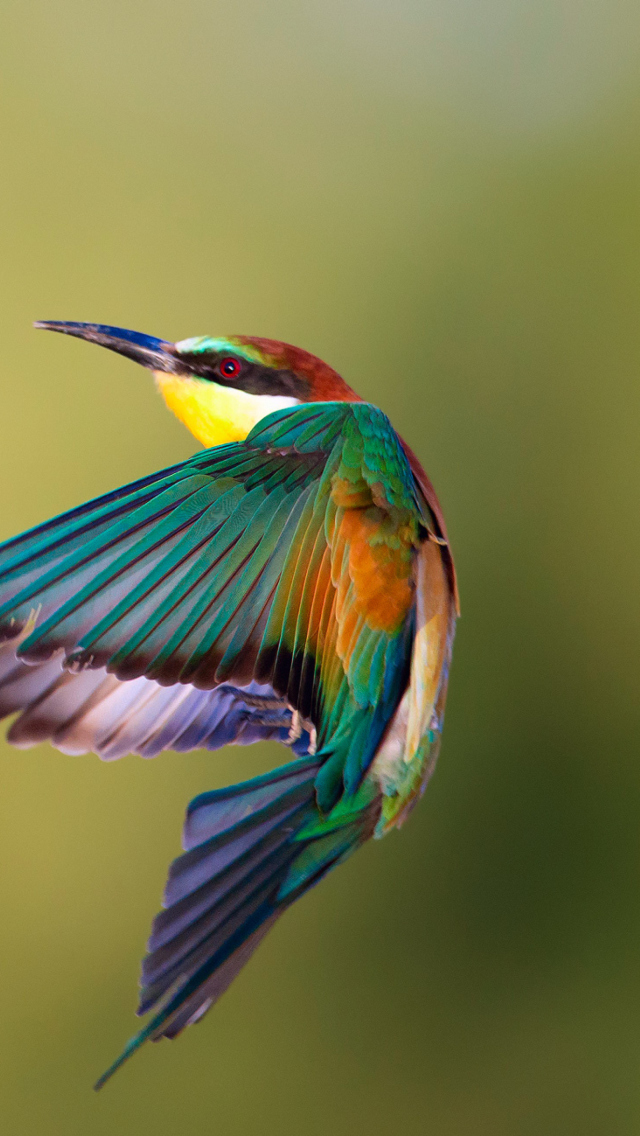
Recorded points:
(253, 378)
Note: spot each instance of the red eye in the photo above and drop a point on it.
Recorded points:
(229, 367)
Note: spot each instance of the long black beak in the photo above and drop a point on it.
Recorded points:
(156, 354)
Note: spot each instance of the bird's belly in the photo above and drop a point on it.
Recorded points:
(387, 765)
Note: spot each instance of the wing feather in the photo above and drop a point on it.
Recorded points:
(286, 560)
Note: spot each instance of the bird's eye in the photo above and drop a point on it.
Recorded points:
(229, 367)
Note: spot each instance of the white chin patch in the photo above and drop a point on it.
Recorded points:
(271, 402)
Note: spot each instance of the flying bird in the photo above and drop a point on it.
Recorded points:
(292, 580)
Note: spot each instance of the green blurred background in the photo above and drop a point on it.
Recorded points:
(443, 200)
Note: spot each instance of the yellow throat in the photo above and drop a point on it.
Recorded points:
(215, 414)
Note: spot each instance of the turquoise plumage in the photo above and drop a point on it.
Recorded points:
(294, 584)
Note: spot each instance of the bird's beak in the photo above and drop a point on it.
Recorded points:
(156, 354)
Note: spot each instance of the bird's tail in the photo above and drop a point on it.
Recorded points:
(251, 850)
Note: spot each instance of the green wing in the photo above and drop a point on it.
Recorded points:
(280, 587)
(285, 560)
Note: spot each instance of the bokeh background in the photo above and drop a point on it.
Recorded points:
(443, 200)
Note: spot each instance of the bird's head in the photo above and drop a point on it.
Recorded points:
(221, 387)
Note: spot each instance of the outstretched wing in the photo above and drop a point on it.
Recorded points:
(284, 561)
(95, 711)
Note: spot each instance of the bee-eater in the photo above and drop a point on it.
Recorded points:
(292, 580)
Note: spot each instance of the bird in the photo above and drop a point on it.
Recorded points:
(292, 580)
